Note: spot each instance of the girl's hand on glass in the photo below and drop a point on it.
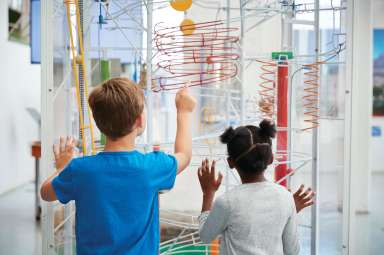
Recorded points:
(303, 198)
(207, 176)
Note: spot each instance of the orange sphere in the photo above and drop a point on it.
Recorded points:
(210, 60)
(187, 26)
(181, 5)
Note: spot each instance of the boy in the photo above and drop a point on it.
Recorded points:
(116, 191)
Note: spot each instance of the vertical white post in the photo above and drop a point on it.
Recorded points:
(315, 148)
(4, 21)
(242, 62)
(68, 226)
(286, 45)
(357, 165)
(228, 83)
(47, 117)
(228, 93)
(286, 30)
(340, 105)
(149, 76)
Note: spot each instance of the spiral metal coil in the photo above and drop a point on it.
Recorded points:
(206, 56)
(311, 95)
(268, 88)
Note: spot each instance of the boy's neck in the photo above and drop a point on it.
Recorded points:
(125, 143)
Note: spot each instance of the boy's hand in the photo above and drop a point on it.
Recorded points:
(207, 177)
(184, 101)
(183, 142)
(64, 152)
(303, 199)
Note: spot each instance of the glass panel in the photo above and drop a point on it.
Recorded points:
(114, 47)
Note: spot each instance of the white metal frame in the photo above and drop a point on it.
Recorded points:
(315, 148)
(358, 111)
(347, 142)
(149, 9)
(47, 99)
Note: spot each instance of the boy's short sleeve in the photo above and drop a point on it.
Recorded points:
(63, 184)
(163, 169)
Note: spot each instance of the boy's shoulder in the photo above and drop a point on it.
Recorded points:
(156, 156)
(81, 162)
(159, 158)
(83, 159)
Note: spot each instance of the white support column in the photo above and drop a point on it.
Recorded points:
(68, 208)
(47, 118)
(286, 45)
(228, 86)
(341, 105)
(286, 30)
(357, 172)
(149, 76)
(315, 146)
(242, 62)
(3, 21)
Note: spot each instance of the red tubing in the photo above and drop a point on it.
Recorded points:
(282, 121)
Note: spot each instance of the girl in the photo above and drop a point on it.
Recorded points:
(259, 216)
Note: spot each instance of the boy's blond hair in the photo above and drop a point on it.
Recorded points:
(116, 104)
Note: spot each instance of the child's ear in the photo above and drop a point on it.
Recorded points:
(231, 164)
(140, 121)
(271, 160)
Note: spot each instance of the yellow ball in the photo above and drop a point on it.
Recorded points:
(181, 5)
(187, 26)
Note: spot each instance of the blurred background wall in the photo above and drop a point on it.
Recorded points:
(20, 89)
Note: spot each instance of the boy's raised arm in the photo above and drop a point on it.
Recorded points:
(185, 105)
(63, 155)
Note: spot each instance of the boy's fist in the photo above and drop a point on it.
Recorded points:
(184, 101)
(64, 152)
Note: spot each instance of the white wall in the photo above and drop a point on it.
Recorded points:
(378, 142)
(378, 18)
(20, 88)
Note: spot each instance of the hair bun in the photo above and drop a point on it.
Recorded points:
(268, 128)
(228, 135)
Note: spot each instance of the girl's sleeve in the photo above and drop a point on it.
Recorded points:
(291, 244)
(213, 223)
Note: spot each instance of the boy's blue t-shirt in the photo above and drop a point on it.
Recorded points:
(116, 196)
